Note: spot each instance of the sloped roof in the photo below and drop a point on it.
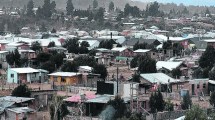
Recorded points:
(119, 49)
(158, 78)
(15, 99)
(141, 50)
(87, 68)
(24, 70)
(133, 41)
(65, 74)
(21, 109)
(168, 65)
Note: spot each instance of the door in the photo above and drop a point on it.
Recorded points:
(193, 89)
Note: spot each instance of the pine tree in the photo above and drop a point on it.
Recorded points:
(160, 103)
(187, 102)
(17, 57)
(147, 65)
(69, 7)
(21, 91)
(30, 7)
(47, 9)
(207, 60)
(212, 99)
(53, 6)
(111, 6)
(95, 4)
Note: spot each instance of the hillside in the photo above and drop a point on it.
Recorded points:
(78, 4)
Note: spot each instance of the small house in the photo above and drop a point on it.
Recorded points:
(25, 75)
(167, 67)
(65, 78)
(155, 81)
(122, 51)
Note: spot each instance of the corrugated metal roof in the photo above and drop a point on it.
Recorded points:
(66, 74)
(15, 99)
(21, 110)
(24, 70)
(168, 65)
(159, 78)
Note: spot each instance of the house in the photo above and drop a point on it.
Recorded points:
(210, 42)
(65, 78)
(17, 45)
(3, 44)
(26, 75)
(141, 52)
(14, 108)
(195, 87)
(20, 113)
(155, 81)
(166, 67)
(58, 49)
(132, 41)
(3, 63)
(123, 51)
(43, 97)
(29, 54)
(117, 39)
(92, 43)
(104, 56)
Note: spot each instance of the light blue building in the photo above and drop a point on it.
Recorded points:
(26, 75)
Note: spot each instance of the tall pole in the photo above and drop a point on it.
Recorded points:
(117, 80)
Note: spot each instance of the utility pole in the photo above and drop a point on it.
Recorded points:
(117, 80)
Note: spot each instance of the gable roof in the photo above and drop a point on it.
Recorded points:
(159, 78)
(64, 74)
(168, 65)
(141, 50)
(24, 70)
(15, 99)
(119, 49)
(133, 41)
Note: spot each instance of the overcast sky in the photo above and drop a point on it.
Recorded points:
(186, 2)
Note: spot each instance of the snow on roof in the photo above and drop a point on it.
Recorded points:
(26, 51)
(45, 42)
(65, 74)
(4, 41)
(14, 44)
(24, 70)
(181, 118)
(21, 109)
(90, 42)
(168, 65)
(159, 46)
(142, 50)
(210, 40)
(102, 49)
(15, 99)
(212, 82)
(119, 49)
(1, 52)
(113, 37)
(158, 78)
(100, 99)
(88, 68)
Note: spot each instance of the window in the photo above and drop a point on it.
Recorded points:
(197, 85)
(204, 85)
(63, 79)
(55, 79)
(33, 75)
(12, 75)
